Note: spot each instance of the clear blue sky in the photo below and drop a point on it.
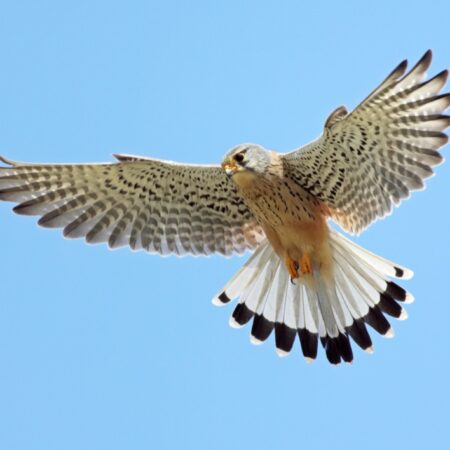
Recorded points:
(121, 350)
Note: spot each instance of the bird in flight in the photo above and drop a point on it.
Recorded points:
(303, 279)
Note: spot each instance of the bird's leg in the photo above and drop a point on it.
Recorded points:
(305, 264)
(292, 267)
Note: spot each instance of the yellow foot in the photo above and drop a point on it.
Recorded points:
(305, 264)
(292, 267)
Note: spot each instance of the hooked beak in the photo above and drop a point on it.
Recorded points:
(230, 168)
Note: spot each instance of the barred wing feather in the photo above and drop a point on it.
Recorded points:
(158, 206)
(369, 160)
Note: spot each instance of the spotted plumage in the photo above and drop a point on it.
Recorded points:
(369, 160)
(147, 204)
(303, 278)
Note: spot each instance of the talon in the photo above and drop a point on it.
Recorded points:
(305, 264)
(292, 267)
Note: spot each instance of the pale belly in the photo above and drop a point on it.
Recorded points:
(295, 241)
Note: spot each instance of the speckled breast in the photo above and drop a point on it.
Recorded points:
(280, 202)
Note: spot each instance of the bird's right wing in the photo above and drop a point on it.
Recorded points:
(159, 206)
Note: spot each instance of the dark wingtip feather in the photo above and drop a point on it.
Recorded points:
(441, 138)
(434, 98)
(423, 63)
(27, 208)
(21, 208)
(46, 220)
(7, 161)
(442, 74)
(121, 157)
(5, 195)
(69, 228)
(399, 70)
(425, 60)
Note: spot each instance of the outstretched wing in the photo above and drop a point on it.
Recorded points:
(370, 159)
(159, 206)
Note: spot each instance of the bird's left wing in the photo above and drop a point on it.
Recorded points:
(159, 206)
(369, 160)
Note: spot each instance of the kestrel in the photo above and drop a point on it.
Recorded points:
(303, 278)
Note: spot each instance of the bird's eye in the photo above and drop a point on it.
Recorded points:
(238, 157)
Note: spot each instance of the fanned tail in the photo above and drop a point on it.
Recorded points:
(361, 293)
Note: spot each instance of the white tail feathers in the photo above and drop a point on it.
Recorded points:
(360, 293)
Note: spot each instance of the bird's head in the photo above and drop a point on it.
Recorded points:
(250, 159)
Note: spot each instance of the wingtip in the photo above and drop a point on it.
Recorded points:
(403, 65)
(399, 70)
(7, 161)
(427, 57)
(121, 157)
(444, 75)
(124, 157)
(423, 64)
